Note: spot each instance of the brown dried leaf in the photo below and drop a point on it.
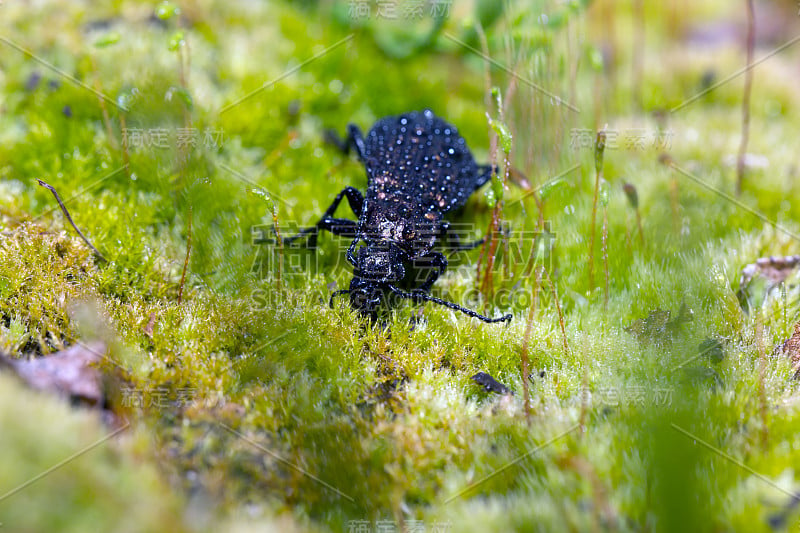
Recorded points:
(71, 372)
(774, 269)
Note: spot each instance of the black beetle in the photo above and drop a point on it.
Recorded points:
(418, 169)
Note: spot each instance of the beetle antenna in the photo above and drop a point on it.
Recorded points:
(414, 295)
(337, 293)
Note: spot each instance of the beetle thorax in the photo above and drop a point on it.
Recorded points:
(380, 262)
(391, 231)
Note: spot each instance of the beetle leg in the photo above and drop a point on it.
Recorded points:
(453, 242)
(337, 293)
(337, 226)
(439, 262)
(354, 139)
(484, 174)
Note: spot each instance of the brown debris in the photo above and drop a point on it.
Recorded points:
(791, 347)
(149, 327)
(774, 269)
(71, 372)
(519, 179)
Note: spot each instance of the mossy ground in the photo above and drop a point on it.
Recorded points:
(304, 417)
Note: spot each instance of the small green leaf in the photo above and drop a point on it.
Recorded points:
(5, 287)
(543, 245)
(497, 187)
(264, 195)
(491, 199)
(713, 349)
(182, 94)
(167, 10)
(488, 11)
(548, 188)
(108, 39)
(125, 99)
(503, 133)
(596, 59)
(176, 41)
(498, 98)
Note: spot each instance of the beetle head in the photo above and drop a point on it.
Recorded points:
(377, 266)
(365, 296)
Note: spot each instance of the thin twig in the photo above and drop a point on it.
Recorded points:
(600, 145)
(188, 251)
(526, 340)
(558, 308)
(106, 120)
(279, 240)
(762, 394)
(638, 52)
(748, 83)
(628, 245)
(604, 248)
(69, 218)
(639, 226)
(493, 141)
(675, 202)
(487, 287)
(126, 158)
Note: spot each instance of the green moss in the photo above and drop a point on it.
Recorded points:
(265, 408)
(86, 480)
